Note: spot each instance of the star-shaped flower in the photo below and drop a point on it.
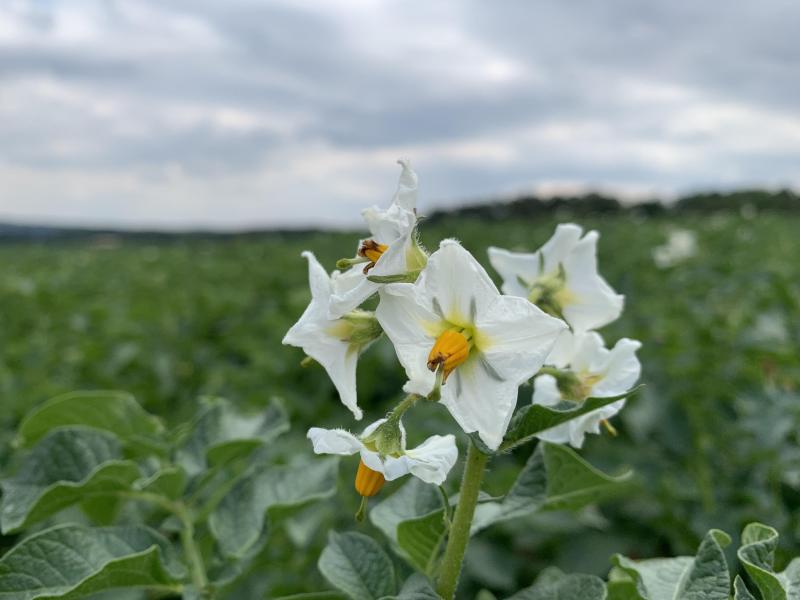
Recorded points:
(561, 278)
(333, 343)
(454, 324)
(593, 372)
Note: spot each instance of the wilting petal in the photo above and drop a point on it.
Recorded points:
(518, 269)
(406, 194)
(518, 336)
(333, 441)
(432, 460)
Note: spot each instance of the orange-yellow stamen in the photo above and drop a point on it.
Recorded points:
(368, 482)
(371, 250)
(450, 350)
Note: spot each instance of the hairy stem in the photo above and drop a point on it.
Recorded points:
(462, 522)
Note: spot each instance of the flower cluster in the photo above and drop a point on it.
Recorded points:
(461, 341)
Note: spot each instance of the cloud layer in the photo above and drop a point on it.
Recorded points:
(245, 114)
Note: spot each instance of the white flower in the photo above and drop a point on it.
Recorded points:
(391, 251)
(334, 343)
(561, 278)
(431, 461)
(594, 372)
(454, 320)
(680, 246)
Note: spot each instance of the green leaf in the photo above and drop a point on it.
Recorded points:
(421, 538)
(757, 554)
(357, 565)
(740, 591)
(115, 412)
(554, 478)
(66, 467)
(416, 587)
(221, 434)
(70, 562)
(535, 418)
(414, 499)
(168, 482)
(703, 577)
(240, 517)
(554, 585)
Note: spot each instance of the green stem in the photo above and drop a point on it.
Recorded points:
(403, 406)
(198, 569)
(462, 522)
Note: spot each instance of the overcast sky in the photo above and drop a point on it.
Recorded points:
(243, 113)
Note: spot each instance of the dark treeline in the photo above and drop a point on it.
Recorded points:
(525, 206)
(598, 204)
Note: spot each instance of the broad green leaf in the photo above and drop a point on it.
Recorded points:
(221, 434)
(414, 499)
(757, 554)
(70, 562)
(169, 482)
(421, 538)
(66, 467)
(703, 577)
(740, 591)
(535, 418)
(416, 587)
(240, 517)
(115, 412)
(554, 478)
(554, 585)
(357, 565)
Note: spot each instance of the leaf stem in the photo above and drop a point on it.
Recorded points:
(198, 569)
(462, 522)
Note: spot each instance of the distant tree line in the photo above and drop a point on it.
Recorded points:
(599, 204)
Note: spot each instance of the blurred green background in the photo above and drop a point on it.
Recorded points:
(713, 437)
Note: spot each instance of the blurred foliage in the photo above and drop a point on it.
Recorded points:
(713, 437)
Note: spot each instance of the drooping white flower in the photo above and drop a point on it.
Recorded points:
(561, 278)
(454, 321)
(681, 245)
(593, 372)
(392, 249)
(431, 461)
(334, 343)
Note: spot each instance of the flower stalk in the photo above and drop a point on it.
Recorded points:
(462, 522)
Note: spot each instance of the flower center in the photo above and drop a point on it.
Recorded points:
(371, 250)
(450, 350)
(368, 481)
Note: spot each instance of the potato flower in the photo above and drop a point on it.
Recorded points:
(593, 372)
(390, 254)
(431, 461)
(453, 328)
(333, 343)
(561, 278)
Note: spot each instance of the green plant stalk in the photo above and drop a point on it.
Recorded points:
(462, 522)
(198, 569)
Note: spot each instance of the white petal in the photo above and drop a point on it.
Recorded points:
(386, 226)
(369, 429)
(622, 369)
(590, 423)
(591, 355)
(333, 441)
(318, 279)
(412, 328)
(458, 283)
(432, 460)
(545, 391)
(593, 302)
(480, 402)
(406, 194)
(515, 337)
(373, 460)
(395, 468)
(558, 247)
(563, 350)
(513, 266)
